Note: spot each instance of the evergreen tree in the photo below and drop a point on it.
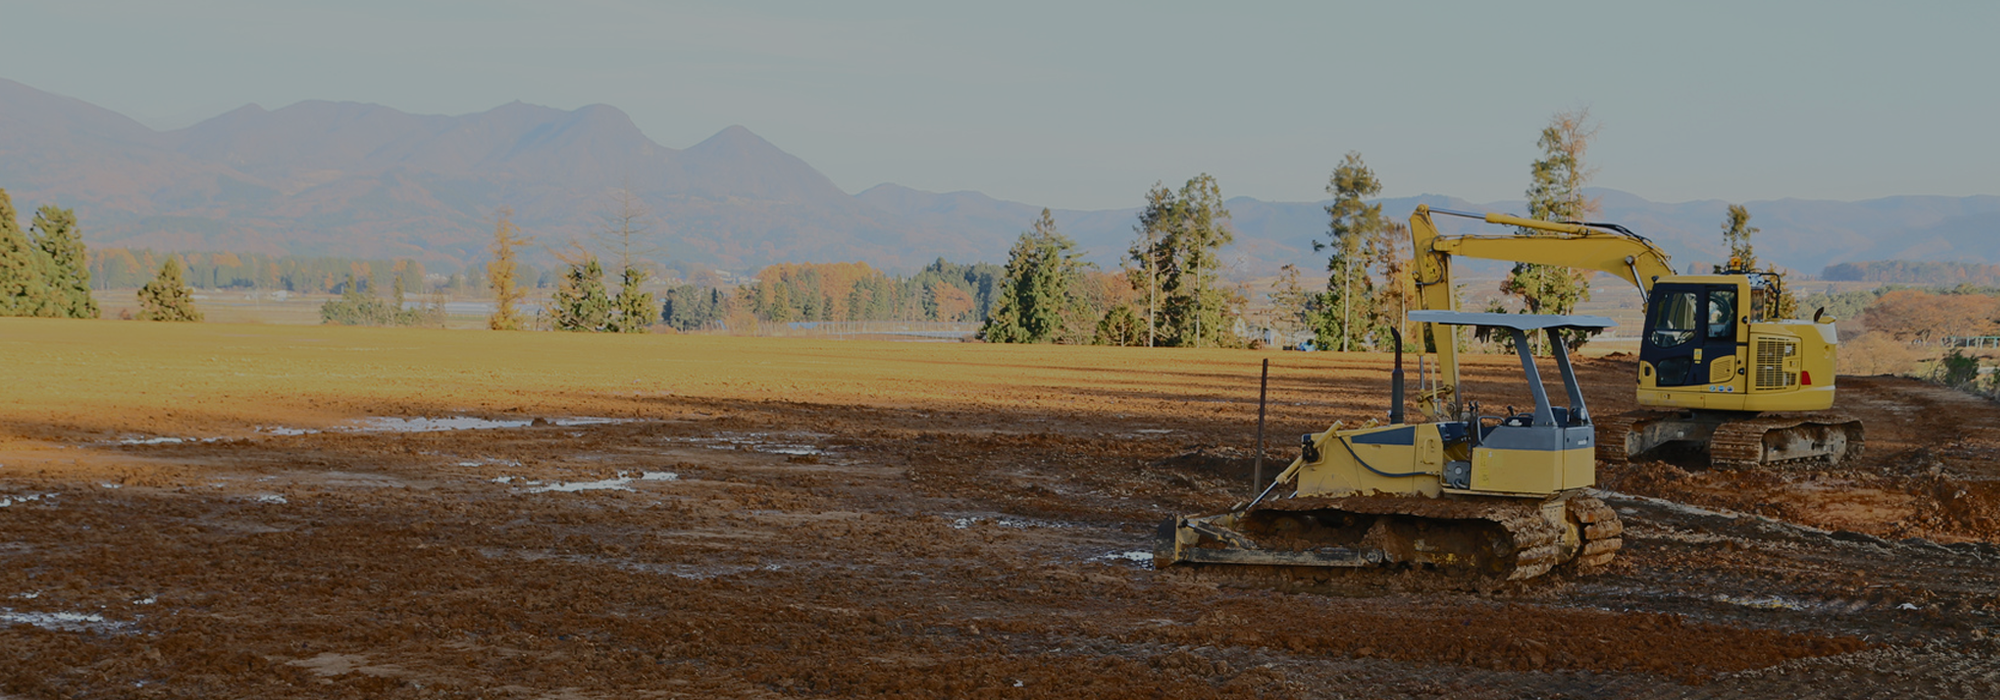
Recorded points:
(1736, 232)
(24, 271)
(580, 302)
(1355, 233)
(636, 312)
(1556, 194)
(1120, 326)
(56, 236)
(1038, 297)
(501, 272)
(167, 297)
(1151, 253)
(1178, 255)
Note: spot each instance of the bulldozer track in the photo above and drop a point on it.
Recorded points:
(1740, 444)
(1601, 532)
(1536, 544)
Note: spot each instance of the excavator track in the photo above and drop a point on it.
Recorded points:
(1781, 441)
(1612, 432)
(1730, 441)
(1506, 538)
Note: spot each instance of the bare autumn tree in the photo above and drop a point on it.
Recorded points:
(627, 233)
(500, 273)
(627, 238)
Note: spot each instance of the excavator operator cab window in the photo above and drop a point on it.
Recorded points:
(1721, 314)
(1676, 324)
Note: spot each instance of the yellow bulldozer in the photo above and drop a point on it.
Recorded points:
(1504, 495)
(1495, 495)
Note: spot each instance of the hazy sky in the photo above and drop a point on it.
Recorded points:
(1085, 105)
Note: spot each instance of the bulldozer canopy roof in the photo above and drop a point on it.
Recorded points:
(1525, 322)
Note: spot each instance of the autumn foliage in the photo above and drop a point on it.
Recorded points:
(1913, 315)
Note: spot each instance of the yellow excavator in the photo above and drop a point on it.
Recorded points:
(1726, 380)
(1504, 495)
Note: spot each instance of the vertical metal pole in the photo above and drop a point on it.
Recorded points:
(1263, 390)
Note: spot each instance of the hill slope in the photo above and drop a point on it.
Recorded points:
(352, 179)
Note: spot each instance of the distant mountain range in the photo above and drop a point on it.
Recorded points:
(362, 180)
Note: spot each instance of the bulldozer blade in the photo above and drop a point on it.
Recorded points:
(1179, 542)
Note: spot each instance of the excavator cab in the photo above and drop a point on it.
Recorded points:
(1690, 336)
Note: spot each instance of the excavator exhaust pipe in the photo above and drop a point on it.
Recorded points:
(1396, 381)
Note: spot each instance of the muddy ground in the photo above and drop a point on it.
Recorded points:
(745, 543)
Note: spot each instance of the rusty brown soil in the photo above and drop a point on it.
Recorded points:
(206, 511)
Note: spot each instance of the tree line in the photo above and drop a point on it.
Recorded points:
(1914, 272)
(124, 268)
(794, 292)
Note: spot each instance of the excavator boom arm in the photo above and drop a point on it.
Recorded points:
(1625, 255)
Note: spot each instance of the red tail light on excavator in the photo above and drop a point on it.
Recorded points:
(1805, 378)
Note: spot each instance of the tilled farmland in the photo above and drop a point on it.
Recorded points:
(243, 511)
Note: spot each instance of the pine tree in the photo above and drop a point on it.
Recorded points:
(1120, 326)
(580, 302)
(501, 271)
(167, 297)
(1159, 223)
(1556, 194)
(56, 235)
(1181, 235)
(1736, 232)
(1355, 230)
(24, 271)
(636, 312)
(1038, 299)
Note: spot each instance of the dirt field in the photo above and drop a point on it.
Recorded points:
(216, 510)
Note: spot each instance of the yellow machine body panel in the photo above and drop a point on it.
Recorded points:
(1533, 472)
(1413, 452)
(1708, 348)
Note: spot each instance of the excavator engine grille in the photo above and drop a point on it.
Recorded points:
(1771, 355)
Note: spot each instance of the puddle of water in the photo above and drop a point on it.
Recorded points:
(485, 462)
(64, 621)
(622, 482)
(271, 498)
(756, 441)
(434, 425)
(1762, 602)
(1153, 431)
(6, 501)
(281, 430)
(970, 520)
(152, 441)
(590, 421)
